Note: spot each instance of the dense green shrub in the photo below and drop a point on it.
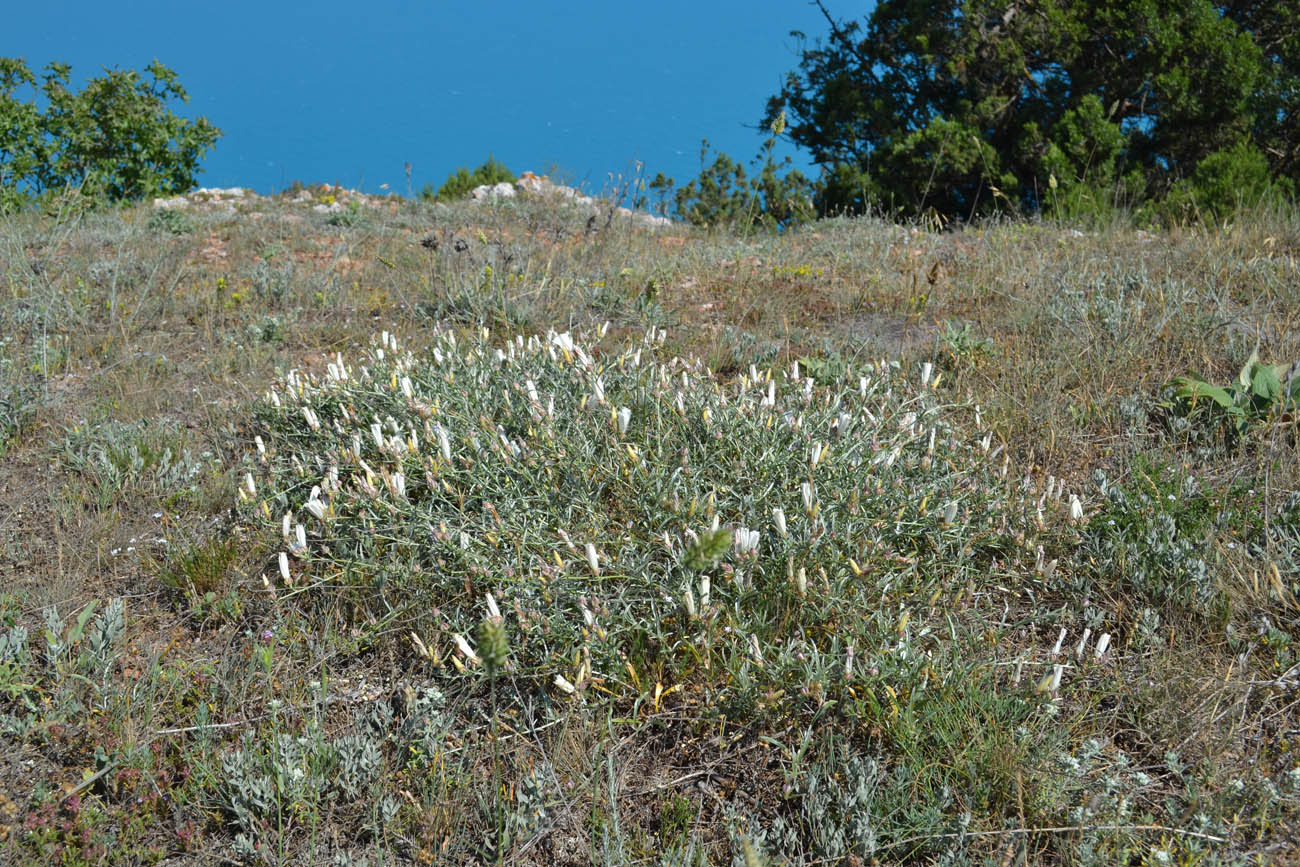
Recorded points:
(460, 182)
(114, 140)
(1224, 183)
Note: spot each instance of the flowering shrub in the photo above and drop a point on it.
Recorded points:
(589, 494)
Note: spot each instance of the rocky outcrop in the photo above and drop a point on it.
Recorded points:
(328, 199)
(542, 187)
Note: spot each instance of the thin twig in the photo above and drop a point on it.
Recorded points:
(226, 725)
(87, 783)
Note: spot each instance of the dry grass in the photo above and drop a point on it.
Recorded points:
(132, 365)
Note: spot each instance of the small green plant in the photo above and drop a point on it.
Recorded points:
(115, 459)
(68, 672)
(202, 569)
(19, 399)
(1151, 539)
(170, 221)
(1260, 391)
(350, 217)
(962, 347)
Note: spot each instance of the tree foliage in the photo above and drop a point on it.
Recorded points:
(462, 181)
(973, 106)
(115, 139)
(723, 194)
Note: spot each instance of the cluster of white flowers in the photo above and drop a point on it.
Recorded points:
(391, 433)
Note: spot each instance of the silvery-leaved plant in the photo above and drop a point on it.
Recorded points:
(562, 481)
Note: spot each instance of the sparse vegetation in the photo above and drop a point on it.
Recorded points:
(511, 542)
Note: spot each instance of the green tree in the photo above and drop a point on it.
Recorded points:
(973, 106)
(116, 139)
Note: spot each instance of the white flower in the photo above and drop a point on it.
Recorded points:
(316, 507)
(300, 532)
(1102, 644)
(399, 484)
(493, 611)
(377, 432)
(745, 541)
(807, 493)
(926, 369)
(1076, 509)
(705, 588)
(1083, 643)
(688, 599)
(840, 426)
(624, 418)
(754, 650)
(592, 559)
(312, 421)
(778, 517)
(1052, 682)
(598, 391)
(564, 341)
(261, 446)
(407, 390)
(444, 444)
(801, 581)
(249, 485)
(563, 684)
(815, 454)
(464, 647)
(284, 525)
(950, 512)
(1060, 639)
(284, 568)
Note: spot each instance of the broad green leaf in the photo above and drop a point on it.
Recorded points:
(1244, 376)
(83, 618)
(1264, 383)
(1192, 389)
